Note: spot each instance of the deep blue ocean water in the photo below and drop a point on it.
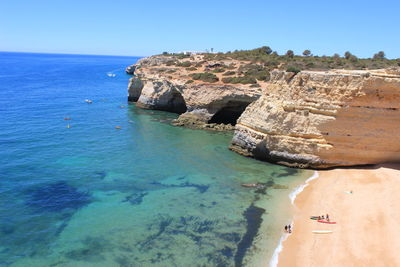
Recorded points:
(148, 194)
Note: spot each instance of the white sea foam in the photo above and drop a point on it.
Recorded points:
(275, 257)
(300, 188)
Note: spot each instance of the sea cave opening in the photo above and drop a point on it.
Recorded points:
(230, 113)
(177, 104)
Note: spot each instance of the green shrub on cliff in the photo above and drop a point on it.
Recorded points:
(293, 69)
(218, 70)
(205, 77)
(241, 79)
(184, 64)
(256, 71)
(191, 69)
(181, 56)
(229, 73)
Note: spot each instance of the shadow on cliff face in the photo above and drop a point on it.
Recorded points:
(229, 113)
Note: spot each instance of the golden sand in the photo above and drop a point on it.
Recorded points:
(367, 232)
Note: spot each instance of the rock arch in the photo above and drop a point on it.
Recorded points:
(176, 103)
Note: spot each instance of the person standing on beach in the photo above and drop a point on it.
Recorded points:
(286, 228)
(327, 217)
(290, 229)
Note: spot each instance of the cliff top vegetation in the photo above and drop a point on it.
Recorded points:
(307, 61)
(252, 68)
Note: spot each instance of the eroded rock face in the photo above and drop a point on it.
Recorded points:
(135, 87)
(196, 102)
(324, 119)
(316, 119)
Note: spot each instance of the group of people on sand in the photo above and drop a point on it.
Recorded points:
(324, 218)
(288, 229)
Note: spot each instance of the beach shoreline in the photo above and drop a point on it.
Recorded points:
(361, 200)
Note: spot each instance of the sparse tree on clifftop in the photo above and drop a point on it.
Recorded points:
(348, 55)
(379, 55)
(290, 53)
(307, 53)
(267, 49)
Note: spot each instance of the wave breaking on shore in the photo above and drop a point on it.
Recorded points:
(300, 188)
(275, 256)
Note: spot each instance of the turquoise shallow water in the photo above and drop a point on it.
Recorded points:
(149, 194)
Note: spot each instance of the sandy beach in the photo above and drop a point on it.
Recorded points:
(367, 232)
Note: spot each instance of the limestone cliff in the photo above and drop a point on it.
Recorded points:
(324, 119)
(201, 105)
(315, 119)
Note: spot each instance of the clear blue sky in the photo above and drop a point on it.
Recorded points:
(141, 28)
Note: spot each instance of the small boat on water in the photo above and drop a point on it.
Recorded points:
(67, 118)
(322, 232)
(68, 126)
(257, 186)
(323, 221)
(88, 101)
(118, 127)
(249, 185)
(111, 74)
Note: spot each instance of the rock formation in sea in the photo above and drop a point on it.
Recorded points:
(312, 119)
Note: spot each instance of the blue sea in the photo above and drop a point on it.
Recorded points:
(80, 192)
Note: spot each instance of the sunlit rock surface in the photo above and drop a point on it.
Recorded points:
(324, 119)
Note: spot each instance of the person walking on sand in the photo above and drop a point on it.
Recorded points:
(286, 228)
(290, 228)
(327, 217)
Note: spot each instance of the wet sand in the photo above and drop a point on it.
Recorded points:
(367, 232)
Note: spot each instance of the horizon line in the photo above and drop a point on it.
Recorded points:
(71, 54)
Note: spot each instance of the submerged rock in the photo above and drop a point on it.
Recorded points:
(56, 197)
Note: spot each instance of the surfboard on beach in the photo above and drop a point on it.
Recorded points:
(322, 232)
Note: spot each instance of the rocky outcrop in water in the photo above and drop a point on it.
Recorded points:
(324, 119)
(315, 119)
(130, 69)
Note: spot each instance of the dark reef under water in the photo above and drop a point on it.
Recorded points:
(253, 217)
(56, 197)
